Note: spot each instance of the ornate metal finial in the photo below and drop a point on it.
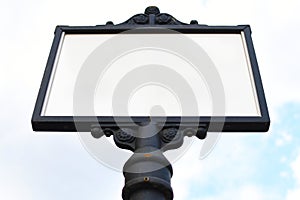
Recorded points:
(152, 16)
(152, 10)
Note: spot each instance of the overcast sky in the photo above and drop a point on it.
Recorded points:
(256, 166)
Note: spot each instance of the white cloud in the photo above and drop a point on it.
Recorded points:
(284, 174)
(294, 193)
(283, 138)
(243, 192)
(283, 159)
(14, 190)
(295, 167)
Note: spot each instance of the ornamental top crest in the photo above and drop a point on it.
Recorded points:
(152, 16)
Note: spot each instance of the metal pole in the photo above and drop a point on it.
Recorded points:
(147, 172)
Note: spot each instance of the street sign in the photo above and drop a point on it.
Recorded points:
(127, 74)
(149, 82)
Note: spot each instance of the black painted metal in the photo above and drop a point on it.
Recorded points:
(125, 138)
(153, 16)
(147, 172)
(150, 19)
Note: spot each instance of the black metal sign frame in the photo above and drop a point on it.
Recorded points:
(150, 19)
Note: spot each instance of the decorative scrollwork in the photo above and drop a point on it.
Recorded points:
(152, 16)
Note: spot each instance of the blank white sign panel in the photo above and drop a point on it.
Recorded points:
(227, 51)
